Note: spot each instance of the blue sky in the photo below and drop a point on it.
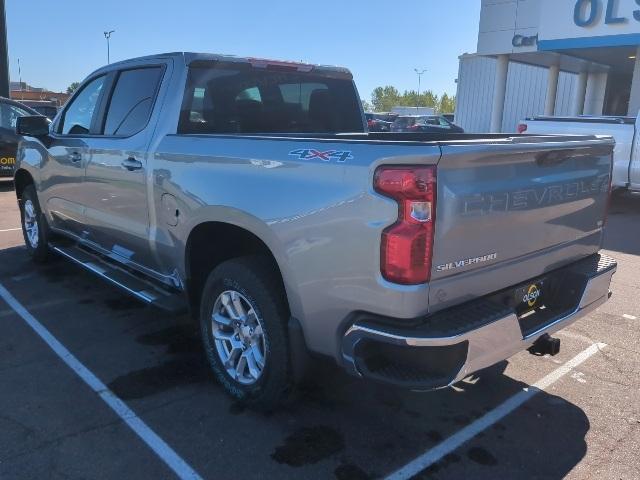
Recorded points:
(380, 41)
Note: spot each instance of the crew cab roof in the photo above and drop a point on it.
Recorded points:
(190, 57)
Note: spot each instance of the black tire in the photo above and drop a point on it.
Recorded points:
(38, 248)
(254, 278)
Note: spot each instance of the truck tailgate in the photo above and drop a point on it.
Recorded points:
(509, 211)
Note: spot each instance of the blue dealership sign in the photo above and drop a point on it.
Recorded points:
(587, 12)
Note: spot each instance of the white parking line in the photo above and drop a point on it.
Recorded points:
(10, 229)
(461, 437)
(148, 436)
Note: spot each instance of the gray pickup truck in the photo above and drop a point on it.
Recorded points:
(249, 192)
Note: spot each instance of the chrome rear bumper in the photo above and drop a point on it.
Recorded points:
(488, 340)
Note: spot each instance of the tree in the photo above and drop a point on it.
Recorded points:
(385, 98)
(366, 106)
(447, 104)
(73, 87)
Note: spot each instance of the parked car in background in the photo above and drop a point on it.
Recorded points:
(424, 124)
(48, 108)
(377, 123)
(10, 110)
(48, 111)
(624, 130)
(386, 116)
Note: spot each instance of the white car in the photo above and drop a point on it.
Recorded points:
(626, 156)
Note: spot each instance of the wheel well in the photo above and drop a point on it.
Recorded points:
(212, 243)
(21, 180)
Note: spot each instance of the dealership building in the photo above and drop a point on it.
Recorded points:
(550, 57)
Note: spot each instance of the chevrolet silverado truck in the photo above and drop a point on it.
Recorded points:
(624, 130)
(250, 193)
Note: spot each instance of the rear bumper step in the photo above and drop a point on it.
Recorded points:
(448, 346)
(135, 285)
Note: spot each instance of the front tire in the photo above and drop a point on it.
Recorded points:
(243, 322)
(34, 226)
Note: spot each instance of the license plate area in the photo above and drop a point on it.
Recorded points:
(544, 300)
(530, 297)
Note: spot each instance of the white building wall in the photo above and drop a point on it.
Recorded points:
(566, 87)
(502, 20)
(526, 93)
(476, 78)
(596, 92)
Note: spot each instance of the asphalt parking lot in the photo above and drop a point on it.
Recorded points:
(584, 424)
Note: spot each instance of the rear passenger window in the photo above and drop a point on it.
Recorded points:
(132, 101)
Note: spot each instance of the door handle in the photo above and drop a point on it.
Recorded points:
(132, 164)
(75, 157)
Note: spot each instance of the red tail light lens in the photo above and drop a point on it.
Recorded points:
(407, 245)
(522, 128)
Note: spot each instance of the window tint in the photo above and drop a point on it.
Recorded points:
(132, 101)
(242, 99)
(300, 94)
(78, 116)
(9, 115)
(250, 94)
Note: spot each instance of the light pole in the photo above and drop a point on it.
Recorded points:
(107, 35)
(4, 54)
(419, 73)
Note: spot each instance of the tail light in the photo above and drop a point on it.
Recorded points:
(522, 127)
(407, 245)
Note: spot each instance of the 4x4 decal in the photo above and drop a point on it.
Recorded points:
(310, 154)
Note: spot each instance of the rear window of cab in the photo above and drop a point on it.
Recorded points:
(240, 99)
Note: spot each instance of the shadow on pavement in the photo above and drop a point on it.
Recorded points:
(336, 427)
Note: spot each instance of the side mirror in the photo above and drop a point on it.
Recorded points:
(33, 126)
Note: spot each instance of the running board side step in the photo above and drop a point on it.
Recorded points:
(135, 285)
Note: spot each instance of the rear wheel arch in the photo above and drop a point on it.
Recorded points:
(211, 243)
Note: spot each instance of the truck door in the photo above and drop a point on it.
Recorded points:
(116, 204)
(62, 194)
(634, 167)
